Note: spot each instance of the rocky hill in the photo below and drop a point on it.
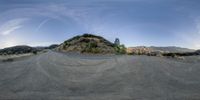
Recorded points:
(87, 43)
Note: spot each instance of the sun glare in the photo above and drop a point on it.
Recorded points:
(10, 42)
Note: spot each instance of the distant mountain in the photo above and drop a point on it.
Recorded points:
(171, 49)
(53, 46)
(21, 49)
(146, 50)
(87, 43)
(17, 50)
(194, 53)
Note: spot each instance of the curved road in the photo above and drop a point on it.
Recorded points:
(58, 76)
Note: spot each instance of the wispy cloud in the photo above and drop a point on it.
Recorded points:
(198, 26)
(42, 24)
(12, 25)
(62, 12)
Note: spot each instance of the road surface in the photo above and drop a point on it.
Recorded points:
(58, 76)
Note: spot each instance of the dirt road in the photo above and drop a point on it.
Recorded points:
(57, 76)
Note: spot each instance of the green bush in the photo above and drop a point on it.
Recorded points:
(120, 49)
(91, 45)
(35, 52)
(95, 50)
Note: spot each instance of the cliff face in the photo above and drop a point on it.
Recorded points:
(87, 43)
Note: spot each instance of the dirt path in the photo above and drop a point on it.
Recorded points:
(55, 76)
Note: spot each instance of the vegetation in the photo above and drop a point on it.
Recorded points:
(181, 54)
(53, 46)
(140, 50)
(120, 49)
(85, 38)
(35, 52)
(17, 50)
(154, 53)
(8, 60)
(162, 51)
(92, 47)
(87, 43)
(171, 49)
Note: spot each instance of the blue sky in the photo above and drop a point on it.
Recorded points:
(135, 22)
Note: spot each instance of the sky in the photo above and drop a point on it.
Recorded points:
(134, 22)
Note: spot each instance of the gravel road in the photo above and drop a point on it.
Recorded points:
(58, 76)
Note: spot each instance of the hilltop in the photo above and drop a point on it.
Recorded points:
(87, 43)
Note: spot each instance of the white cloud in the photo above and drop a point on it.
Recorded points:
(42, 24)
(12, 25)
(198, 27)
(11, 29)
(61, 12)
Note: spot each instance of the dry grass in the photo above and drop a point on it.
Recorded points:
(8, 57)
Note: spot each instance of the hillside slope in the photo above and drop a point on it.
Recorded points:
(87, 43)
(17, 50)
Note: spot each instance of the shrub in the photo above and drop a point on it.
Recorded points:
(95, 50)
(8, 60)
(85, 40)
(120, 49)
(91, 44)
(35, 52)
